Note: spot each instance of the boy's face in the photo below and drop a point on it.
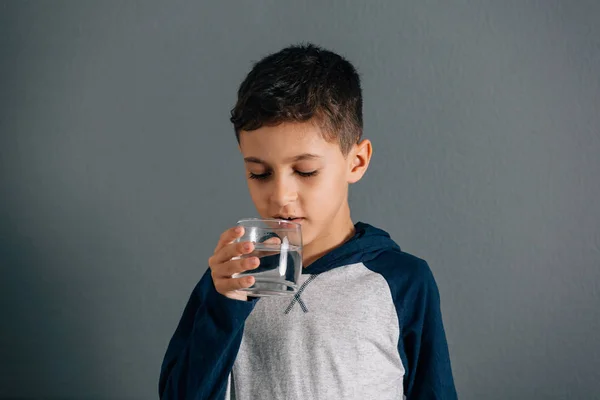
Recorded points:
(293, 172)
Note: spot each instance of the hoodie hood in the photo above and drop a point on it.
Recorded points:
(366, 244)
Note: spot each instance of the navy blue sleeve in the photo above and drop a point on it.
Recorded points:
(423, 339)
(203, 348)
(422, 344)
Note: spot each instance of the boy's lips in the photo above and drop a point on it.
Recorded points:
(291, 219)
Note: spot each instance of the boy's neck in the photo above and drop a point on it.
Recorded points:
(339, 231)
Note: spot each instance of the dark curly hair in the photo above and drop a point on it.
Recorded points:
(300, 83)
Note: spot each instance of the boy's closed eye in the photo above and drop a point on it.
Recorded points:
(266, 175)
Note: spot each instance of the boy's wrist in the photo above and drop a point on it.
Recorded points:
(226, 311)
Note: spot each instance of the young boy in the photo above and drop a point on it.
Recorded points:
(366, 321)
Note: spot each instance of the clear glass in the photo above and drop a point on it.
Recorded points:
(278, 246)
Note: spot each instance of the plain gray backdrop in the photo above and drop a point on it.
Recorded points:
(119, 169)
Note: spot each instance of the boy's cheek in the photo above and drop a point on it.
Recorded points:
(259, 203)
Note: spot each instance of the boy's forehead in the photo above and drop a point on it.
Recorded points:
(284, 140)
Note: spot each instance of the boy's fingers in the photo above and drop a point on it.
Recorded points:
(244, 282)
(273, 240)
(232, 284)
(232, 250)
(240, 283)
(229, 236)
(233, 267)
(237, 249)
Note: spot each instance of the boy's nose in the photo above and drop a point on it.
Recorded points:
(283, 193)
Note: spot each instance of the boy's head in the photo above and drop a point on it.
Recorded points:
(298, 121)
(300, 84)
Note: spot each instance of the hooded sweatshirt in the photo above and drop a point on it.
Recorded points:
(365, 323)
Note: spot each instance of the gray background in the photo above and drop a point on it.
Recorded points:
(119, 169)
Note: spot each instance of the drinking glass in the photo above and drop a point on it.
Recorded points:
(278, 246)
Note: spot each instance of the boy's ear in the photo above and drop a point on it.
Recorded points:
(358, 160)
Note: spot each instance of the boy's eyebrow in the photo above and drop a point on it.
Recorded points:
(300, 157)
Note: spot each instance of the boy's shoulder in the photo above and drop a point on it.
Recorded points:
(382, 255)
(402, 270)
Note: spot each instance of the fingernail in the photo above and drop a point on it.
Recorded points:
(247, 246)
(238, 229)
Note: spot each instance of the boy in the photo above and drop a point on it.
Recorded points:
(366, 321)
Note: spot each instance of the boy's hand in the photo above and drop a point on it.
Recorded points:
(223, 267)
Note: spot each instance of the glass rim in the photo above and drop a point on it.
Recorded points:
(295, 225)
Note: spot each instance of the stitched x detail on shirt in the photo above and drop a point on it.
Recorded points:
(297, 298)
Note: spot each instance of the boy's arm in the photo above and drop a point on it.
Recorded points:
(423, 347)
(202, 351)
